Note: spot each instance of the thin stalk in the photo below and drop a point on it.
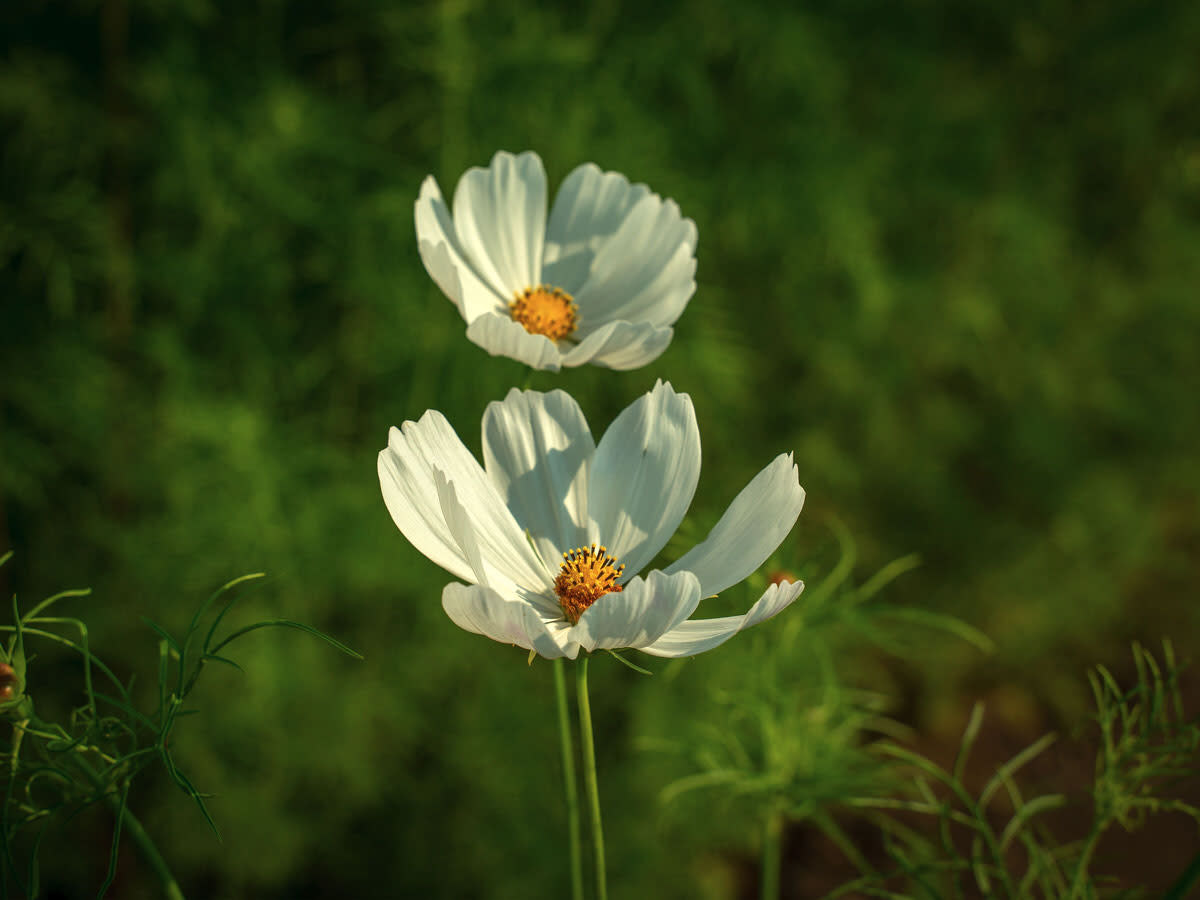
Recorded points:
(772, 855)
(149, 852)
(132, 827)
(569, 779)
(1186, 881)
(589, 775)
(1079, 882)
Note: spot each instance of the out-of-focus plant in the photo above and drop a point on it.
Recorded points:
(1146, 746)
(52, 770)
(790, 742)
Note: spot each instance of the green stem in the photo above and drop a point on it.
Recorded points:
(132, 827)
(1079, 882)
(569, 779)
(149, 851)
(589, 775)
(772, 855)
(1186, 881)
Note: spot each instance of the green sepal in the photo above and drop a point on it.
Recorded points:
(631, 665)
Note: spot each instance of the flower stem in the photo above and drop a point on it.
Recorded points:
(569, 780)
(1186, 881)
(772, 855)
(589, 774)
(1079, 882)
(150, 853)
(131, 826)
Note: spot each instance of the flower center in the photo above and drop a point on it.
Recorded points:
(545, 310)
(587, 574)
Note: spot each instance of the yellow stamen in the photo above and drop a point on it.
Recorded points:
(545, 310)
(588, 573)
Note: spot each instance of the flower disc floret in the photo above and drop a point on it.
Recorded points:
(545, 310)
(587, 574)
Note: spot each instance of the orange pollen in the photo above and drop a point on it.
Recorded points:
(588, 573)
(545, 310)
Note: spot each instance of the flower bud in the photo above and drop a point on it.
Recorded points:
(14, 704)
(10, 683)
(779, 576)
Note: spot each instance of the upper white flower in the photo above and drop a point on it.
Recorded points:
(551, 531)
(601, 282)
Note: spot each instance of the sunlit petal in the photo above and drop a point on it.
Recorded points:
(408, 477)
(644, 475)
(589, 208)
(481, 610)
(501, 336)
(757, 521)
(698, 635)
(500, 217)
(640, 614)
(537, 449)
(497, 557)
(645, 272)
(445, 260)
(620, 345)
(406, 468)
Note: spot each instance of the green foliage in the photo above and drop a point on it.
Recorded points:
(788, 735)
(777, 733)
(778, 740)
(53, 770)
(1147, 746)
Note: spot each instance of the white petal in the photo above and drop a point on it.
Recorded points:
(640, 614)
(757, 521)
(644, 475)
(645, 272)
(444, 259)
(697, 635)
(537, 449)
(406, 479)
(589, 208)
(407, 476)
(663, 297)
(495, 560)
(620, 346)
(499, 335)
(481, 610)
(459, 524)
(500, 216)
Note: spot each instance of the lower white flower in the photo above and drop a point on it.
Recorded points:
(551, 531)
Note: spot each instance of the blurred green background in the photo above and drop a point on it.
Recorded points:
(948, 256)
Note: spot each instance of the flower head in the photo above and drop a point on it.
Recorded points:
(601, 281)
(551, 531)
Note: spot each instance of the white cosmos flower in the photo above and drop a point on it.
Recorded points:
(551, 532)
(601, 282)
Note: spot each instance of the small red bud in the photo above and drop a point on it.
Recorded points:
(8, 683)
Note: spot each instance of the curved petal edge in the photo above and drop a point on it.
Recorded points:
(698, 635)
